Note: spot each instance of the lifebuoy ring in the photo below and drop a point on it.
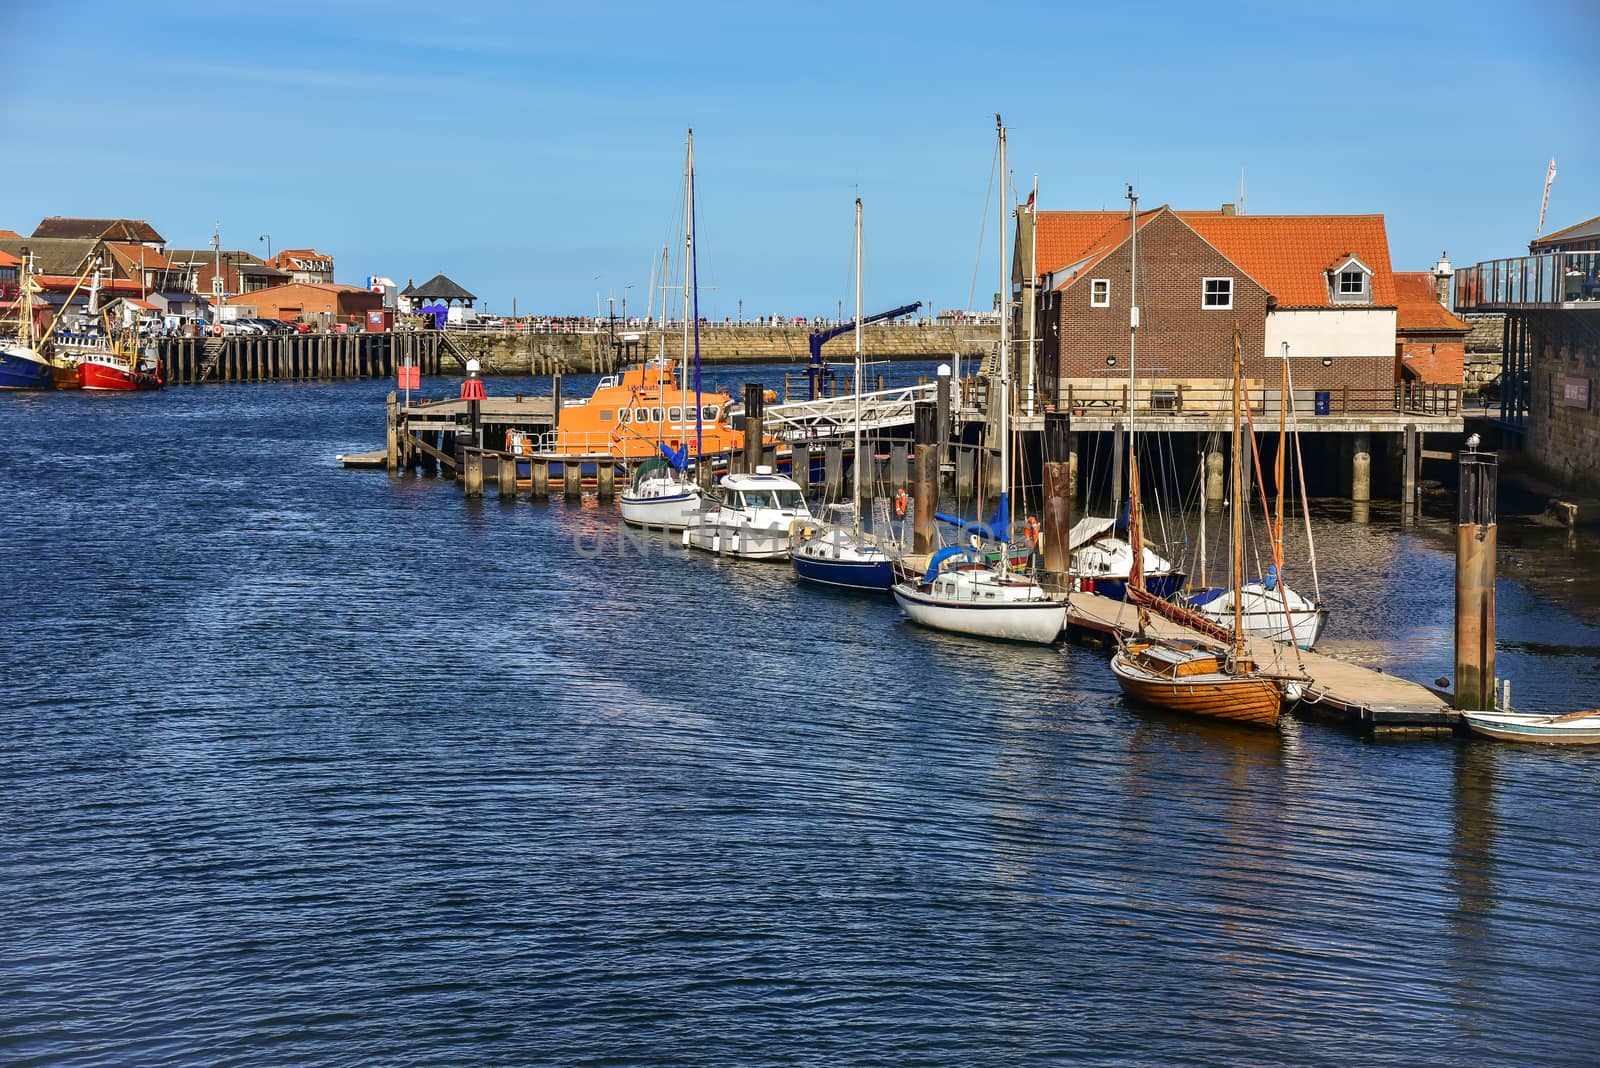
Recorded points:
(1030, 530)
(900, 504)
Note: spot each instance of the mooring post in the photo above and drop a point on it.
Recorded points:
(1116, 466)
(1410, 462)
(754, 409)
(924, 470)
(555, 399)
(606, 479)
(899, 467)
(1476, 539)
(833, 471)
(392, 420)
(472, 471)
(539, 477)
(800, 466)
(1361, 467)
(1057, 493)
(572, 479)
(942, 400)
(1216, 485)
(506, 472)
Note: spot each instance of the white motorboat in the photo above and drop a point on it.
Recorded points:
(964, 593)
(1574, 728)
(750, 517)
(1269, 610)
(659, 497)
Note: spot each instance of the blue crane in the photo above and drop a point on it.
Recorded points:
(818, 371)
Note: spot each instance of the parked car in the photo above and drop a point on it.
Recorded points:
(240, 326)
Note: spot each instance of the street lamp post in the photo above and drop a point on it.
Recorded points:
(268, 239)
(625, 303)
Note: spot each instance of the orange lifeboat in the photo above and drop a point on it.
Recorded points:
(631, 415)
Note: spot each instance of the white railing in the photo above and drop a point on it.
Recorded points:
(832, 416)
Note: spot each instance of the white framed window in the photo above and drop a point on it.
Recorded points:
(1352, 283)
(1216, 294)
(1100, 293)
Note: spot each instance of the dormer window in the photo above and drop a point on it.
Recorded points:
(1350, 282)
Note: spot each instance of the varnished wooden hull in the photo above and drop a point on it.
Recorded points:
(1251, 700)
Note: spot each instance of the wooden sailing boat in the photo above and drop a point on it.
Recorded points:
(1192, 675)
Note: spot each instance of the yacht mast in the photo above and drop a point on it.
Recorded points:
(1237, 503)
(1004, 513)
(855, 465)
(694, 282)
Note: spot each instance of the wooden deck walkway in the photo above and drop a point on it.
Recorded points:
(1358, 696)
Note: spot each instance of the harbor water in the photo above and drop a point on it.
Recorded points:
(308, 766)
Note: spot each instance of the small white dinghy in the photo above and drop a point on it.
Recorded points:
(1574, 728)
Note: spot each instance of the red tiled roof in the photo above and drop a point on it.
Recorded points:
(9, 233)
(138, 256)
(1291, 254)
(8, 260)
(1420, 310)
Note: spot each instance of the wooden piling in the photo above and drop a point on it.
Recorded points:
(925, 466)
(800, 466)
(539, 477)
(1476, 546)
(833, 471)
(472, 471)
(754, 409)
(1057, 526)
(606, 479)
(899, 467)
(392, 421)
(1360, 468)
(572, 479)
(506, 475)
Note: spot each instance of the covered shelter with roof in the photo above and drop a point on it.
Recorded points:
(437, 290)
(131, 231)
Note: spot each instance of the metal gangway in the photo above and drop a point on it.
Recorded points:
(832, 417)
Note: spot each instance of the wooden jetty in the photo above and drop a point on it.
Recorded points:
(1357, 696)
(191, 361)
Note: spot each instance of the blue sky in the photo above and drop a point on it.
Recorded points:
(525, 149)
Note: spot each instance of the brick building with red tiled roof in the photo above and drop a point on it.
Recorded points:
(1318, 287)
(1430, 339)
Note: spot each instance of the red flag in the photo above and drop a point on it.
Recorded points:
(1030, 200)
(411, 377)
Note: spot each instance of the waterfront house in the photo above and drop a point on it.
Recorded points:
(227, 272)
(1319, 284)
(1430, 340)
(304, 265)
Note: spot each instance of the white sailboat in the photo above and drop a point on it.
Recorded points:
(961, 591)
(1268, 607)
(839, 553)
(661, 493)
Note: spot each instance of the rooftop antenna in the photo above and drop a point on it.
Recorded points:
(1242, 188)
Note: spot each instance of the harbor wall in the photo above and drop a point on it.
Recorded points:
(540, 352)
(1563, 436)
